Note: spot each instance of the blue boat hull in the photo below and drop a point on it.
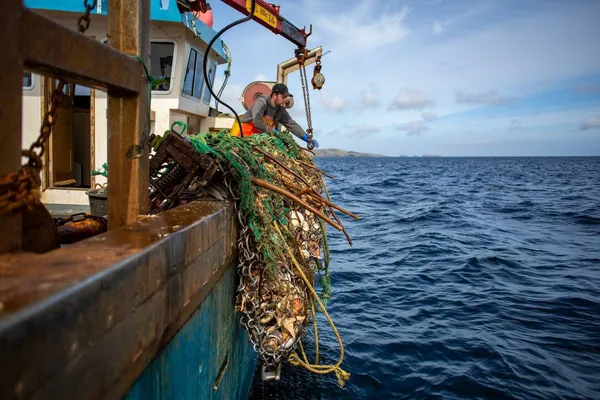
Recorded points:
(209, 358)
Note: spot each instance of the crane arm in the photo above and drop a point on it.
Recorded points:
(287, 67)
(265, 14)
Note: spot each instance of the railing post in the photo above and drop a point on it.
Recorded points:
(11, 95)
(129, 32)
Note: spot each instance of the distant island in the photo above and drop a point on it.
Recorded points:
(342, 153)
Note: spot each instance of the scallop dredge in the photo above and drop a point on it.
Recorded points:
(277, 192)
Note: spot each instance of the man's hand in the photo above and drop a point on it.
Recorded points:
(314, 141)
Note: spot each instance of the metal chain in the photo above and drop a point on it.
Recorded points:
(306, 95)
(35, 159)
(252, 311)
(84, 21)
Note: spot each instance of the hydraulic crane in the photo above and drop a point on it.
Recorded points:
(267, 15)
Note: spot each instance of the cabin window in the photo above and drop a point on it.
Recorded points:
(27, 80)
(212, 69)
(161, 64)
(164, 4)
(188, 81)
(194, 75)
(199, 76)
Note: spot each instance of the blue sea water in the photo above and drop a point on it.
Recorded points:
(469, 278)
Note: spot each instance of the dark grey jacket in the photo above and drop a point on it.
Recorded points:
(262, 107)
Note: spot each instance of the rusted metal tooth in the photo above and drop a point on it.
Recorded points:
(343, 228)
(318, 197)
(291, 196)
(303, 192)
(282, 165)
(340, 209)
(316, 169)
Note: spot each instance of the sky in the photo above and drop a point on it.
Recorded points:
(445, 77)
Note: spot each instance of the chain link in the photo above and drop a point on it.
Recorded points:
(35, 159)
(256, 308)
(305, 93)
(84, 21)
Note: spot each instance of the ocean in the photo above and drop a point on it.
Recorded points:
(469, 278)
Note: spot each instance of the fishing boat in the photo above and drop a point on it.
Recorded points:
(135, 305)
(78, 144)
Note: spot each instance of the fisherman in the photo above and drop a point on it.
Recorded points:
(266, 112)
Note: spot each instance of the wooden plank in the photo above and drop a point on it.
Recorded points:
(11, 96)
(102, 308)
(63, 52)
(128, 119)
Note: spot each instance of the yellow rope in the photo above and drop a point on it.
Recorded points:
(294, 359)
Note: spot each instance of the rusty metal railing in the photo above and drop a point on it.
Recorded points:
(42, 45)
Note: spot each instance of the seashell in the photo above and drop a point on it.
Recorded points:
(267, 319)
(288, 345)
(296, 219)
(271, 329)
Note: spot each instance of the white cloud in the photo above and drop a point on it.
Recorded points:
(492, 56)
(334, 103)
(261, 77)
(590, 123)
(356, 30)
(437, 28)
(490, 97)
(414, 127)
(370, 98)
(512, 51)
(361, 129)
(408, 99)
(428, 115)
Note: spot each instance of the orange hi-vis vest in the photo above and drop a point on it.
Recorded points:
(249, 129)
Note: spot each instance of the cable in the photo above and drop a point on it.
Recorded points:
(209, 47)
(227, 73)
